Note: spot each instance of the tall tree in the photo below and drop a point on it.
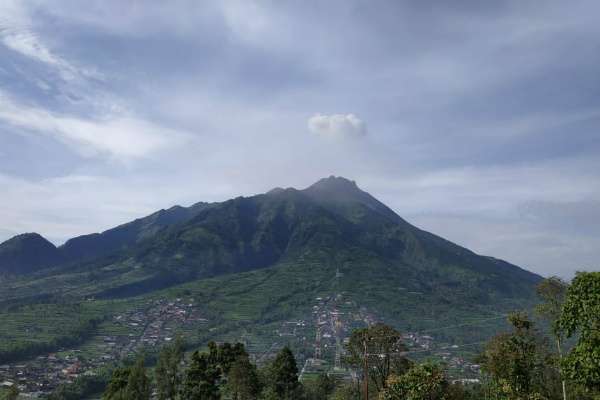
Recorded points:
(581, 316)
(167, 372)
(345, 392)
(12, 393)
(118, 382)
(284, 375)
(516, 362)
(552, 292)
(321, 388)
(242, 380)
(224, 355)
(384, 351)
(138, 384)
(201, 378)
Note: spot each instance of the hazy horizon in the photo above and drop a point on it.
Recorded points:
(477, 123)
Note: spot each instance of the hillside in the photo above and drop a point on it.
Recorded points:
(95, 245)
(248, 265)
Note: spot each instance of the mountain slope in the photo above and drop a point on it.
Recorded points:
(332, 219)
(96, 245)
(260, 260)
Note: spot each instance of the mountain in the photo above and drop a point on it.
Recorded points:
(251, 263)
(27, 253)
(332, 218)
(31, 252)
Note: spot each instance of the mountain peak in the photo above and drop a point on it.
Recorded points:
(27, 252)
(334, 183)
(339, 190)
(30, 237)
(276, 190)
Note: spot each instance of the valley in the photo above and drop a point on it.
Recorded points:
(206, 310)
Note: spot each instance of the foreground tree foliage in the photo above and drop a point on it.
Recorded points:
(201, 379)
(519, 364)
(283, 376)
(129, 383)
(580, 317)
(118, 383)
(167, 372)
(138, 384)
(321, 388)
(11, 394)
(242, 381)
(552, 292)
(421, 382)
(383, 348)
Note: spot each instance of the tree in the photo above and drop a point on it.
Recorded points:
(552, 292)
(167, 373)
(345, 392)
(12, 393)
(242, 380)
(384, 352)
(283, 375)
(223, 356)
(516, 362)
(118, 382)
(201, 378)
(320, 388)
(421, 382)
(138, 384)
(581, 316)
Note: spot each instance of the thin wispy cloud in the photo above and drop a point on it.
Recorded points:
(119, 137)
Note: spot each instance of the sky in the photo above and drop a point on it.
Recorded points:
(478, 121)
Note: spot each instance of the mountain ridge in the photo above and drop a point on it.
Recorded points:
(258, 261)
(245, 233)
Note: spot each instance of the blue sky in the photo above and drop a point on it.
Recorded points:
(478, 122)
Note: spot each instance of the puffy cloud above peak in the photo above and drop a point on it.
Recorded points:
(337, 126)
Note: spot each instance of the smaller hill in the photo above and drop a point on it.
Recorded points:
(27, 253)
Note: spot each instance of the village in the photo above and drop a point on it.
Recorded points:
(334, 317)
(147, 327)
(319, 342)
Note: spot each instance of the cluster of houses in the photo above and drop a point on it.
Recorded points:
(155, 324)
(334, 319)
(151, 325)
(43, 374)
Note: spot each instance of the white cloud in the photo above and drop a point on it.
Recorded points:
(28, 45)
(118, 136)
(17, 32)
(337, 126)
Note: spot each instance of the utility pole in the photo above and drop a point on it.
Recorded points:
(366, 374)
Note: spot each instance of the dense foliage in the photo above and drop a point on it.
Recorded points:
(380, 348)
(581, 316)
